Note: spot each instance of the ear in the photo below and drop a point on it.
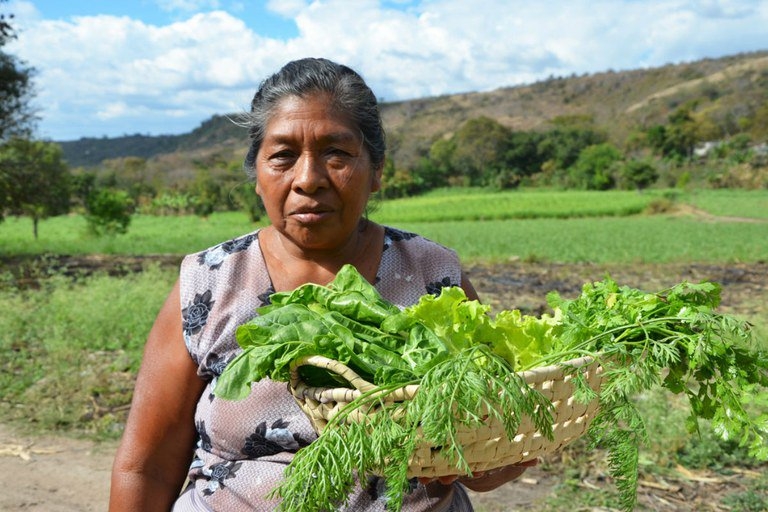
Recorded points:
(376, 178)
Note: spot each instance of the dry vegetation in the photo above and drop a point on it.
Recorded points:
(617, 101)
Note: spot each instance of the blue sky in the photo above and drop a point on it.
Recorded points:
(106, 68)
(255, 14)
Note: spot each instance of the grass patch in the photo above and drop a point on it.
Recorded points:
(69, 351)
(480, 204)
(643, 239)
(524, 225)
(147, 234)
(730, 202)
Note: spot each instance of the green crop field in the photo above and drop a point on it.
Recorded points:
(643, 239)
(571, 226)
(478, 204)
(731, 203)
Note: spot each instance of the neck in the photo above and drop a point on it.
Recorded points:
(290, 265)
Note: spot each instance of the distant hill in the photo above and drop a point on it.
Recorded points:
(89, 152)
(727, 88)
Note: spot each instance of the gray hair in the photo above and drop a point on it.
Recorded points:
(304, 77)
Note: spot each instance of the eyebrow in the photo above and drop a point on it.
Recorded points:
(341, 136)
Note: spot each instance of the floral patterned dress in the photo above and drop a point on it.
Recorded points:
(244, 446)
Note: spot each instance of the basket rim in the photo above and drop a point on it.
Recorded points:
(361, 386)
(485, 447)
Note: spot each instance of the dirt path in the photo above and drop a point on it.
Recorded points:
(53, 474)
(60, 474)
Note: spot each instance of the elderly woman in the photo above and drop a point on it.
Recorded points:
(317, 154)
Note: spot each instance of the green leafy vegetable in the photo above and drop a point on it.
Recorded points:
(464, 361)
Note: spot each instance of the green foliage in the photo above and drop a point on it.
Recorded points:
(563, 145)
(69, 351)
(108, 212)
(34, 180)
(638, 174)
(397, 183)
(436, 167)
(485, 153)
(83, 184)
(245, 198)
(676, 139)
(207, 192)
(16, 88)
(673, 339)
(594, 168)
(523, 155)
(170, 203)
(480, 145)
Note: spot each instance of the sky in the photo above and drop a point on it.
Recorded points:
(108, 68)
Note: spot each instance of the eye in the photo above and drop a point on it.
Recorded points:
(338, 157)
(337, 152)
(282, 159)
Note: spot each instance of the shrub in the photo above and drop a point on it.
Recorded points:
(108, 212)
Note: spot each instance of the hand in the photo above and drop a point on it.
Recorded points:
(484, 481)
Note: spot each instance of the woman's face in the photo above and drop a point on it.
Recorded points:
(314, 174)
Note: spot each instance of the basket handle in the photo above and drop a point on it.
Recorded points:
(337, 367)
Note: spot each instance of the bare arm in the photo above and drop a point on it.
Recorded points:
(468, 288)
(156, 449)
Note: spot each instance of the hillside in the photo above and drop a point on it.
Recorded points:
(726, 89)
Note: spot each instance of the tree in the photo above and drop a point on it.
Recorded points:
(34, 180)
(677, 138)
(594, 168)
(16, 116)
(397, 182)
(638, 174)
(523, 156)
(481, 144)
(108, 212)
(563, 145)
(207, 193)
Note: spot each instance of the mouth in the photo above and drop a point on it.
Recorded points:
(310, 214)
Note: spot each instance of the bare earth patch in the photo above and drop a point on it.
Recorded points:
(54, 473)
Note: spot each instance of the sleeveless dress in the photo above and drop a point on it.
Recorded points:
(244, 446)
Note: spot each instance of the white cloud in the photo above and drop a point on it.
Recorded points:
(287, 8)
(187, 5)
(113, 75)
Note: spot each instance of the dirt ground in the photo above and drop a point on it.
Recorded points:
(53, 473)
(61, 474)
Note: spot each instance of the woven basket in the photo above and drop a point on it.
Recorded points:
(485, 448)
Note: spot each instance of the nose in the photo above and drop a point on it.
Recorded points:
(309, 174)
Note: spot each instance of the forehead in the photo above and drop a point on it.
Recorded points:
(313, 112)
